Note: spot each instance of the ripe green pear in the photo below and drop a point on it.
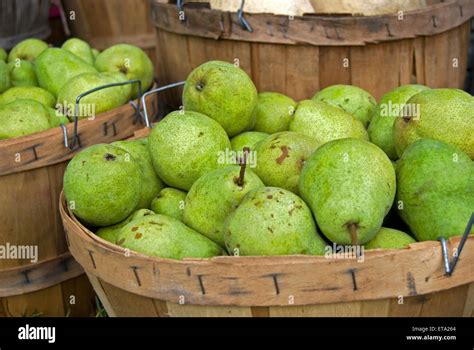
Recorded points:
(165, 237)
(442, 114)
(28, 93)
(214, 196)
(325, 122)
(274, 112)
(389, 109)
(79, 48)
(102, 185)
(272, 221)
(4, 77)
(28, 50)
(3, 55)
(110, 233)
(435, 189)
(186, 145)
(151, 183)
(247, 139)
(95, 53)
(55, 67)
(388, 238)
(170, 202)
(281, 157)
(352, 99)
(350, 186)
(130, 60)
(22, 73)
(97, 102)
(22, 117)
(223, 92)
(56, 118)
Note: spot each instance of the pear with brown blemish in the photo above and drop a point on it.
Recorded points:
(281, 157)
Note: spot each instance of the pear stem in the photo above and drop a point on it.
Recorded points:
(353, 231)
(243, 164)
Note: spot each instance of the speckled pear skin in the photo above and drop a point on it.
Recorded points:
(102, 185)
(445, 114)
(325, 122)
(281, 156)
(22, 73)
(55, 67)
(102, 100)
(109, 233)
(3, 55)
(388, 238)
(28, 93)
(79, 48)
(22, 117)
(4, 77)
(165, 237)
(348, 182)
(435, 184)
(95, 53)
(272, 221)
(129, 60)
(186, 145)
(274, 112)
(170, 202)
(223, 92)
(56, 118)
(28, 49)
(151, 183)
(381, 125)
(247, 139)
(213, 197)
(352, 99)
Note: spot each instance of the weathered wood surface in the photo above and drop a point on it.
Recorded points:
(269, 281)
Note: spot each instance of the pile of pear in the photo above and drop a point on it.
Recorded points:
(239, 173)
(39, 84)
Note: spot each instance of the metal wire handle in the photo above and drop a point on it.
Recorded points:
(450, 266)
(180, 6)
(88, 92)
(160, 89)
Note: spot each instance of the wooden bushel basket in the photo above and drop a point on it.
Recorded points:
(31, 178)
(404, 282)
(301, 55)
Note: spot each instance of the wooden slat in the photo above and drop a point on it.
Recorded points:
(333, 68)
(469, 307)
(302, 70)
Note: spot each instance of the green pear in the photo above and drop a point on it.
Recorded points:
(22, 117)
(109, 233)
(281, 157)
(435, 192)
(214, 196)
(79, 48)
(22, 73)
(95, 53)
(272, 221)
(325, 122)
(274, 112)
(223, 92)
(350, 186)
(151, 183)
(28, 50)
(97, 102)
(388, 238)
(3, 55)
(56, 118)
(186, 145)
(130, 60)
(169, 202)
(441, 114)
(102, 185)
(247, 139)
(4, 77)
(55, 67)
(28, 93)
(389, 109)
(165, 237)
(352, 99)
